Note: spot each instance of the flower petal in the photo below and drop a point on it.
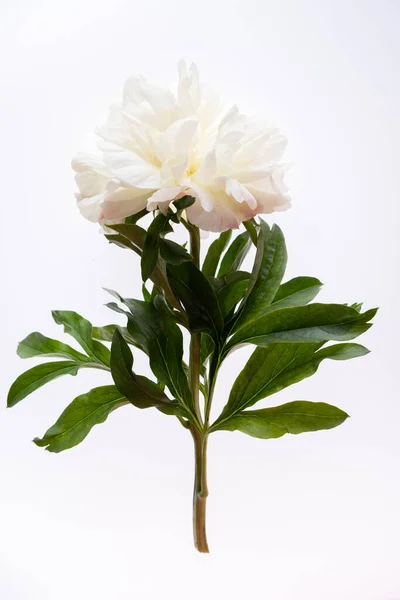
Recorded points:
(164, 195)
(130, 168)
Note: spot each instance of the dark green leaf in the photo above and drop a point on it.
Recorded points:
(33, 379)
(139, 390)
(152, 245)
(157, 334)
(293, 417)
(184, 202)
(268, 271)
(311, 323)
(80, 416)
(235, 254)
(146, 294)
(214, 253)
(120, 241)
(194, 291)
(296, 292)
(173, 253)
(231, 294)
(131, 232)
(81, 329)
(277, 366)
(134, 218)
(36, 344)
(105, 333)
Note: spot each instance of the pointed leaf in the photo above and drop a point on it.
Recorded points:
(214, 253)
(131, 232)
(195, 292)
(277, 366)
(80, 416)
(296, 292)
(33, 379)
(235, 254)
(152, 245)
(268, 271)
(173, 253)
(311, 323)
(81, 329)
(293, 417)
(157, 334)
(139, 390)
(36, 344)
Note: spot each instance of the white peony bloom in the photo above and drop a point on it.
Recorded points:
(158, 146)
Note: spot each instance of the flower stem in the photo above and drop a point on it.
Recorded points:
(200, 491)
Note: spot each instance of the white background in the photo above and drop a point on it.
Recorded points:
(313, 517)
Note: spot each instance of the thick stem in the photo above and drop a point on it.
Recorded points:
(200, 491)
(194, 372)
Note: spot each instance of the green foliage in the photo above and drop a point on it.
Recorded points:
(235, 255)
(293, 417)
(221, 307)
(277, 366)
(79, 417)
(194, 291)
(33, 379)
(213, 255)
(139, 390)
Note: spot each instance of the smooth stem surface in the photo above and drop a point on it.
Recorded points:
(200, 491)
(194, 360)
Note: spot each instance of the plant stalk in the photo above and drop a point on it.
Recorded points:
(200, 491)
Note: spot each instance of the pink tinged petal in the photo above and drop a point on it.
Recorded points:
(130, 168)
(205, 196)
(123, 202)
(221, 218)
(240, 193)
(160, 197)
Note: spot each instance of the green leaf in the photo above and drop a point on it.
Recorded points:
(197, 296)
(139, 390)
(157, 334)
(230, 294)
(277, 366)
(131, 232)
(311, 323)
(105, 333)
(235, 254)
(214, 253)
(81, 329)
(33, 379)
(293, 417)
(80, 416)
(268, 271)
(134, 218)
(173, 253)
(184, 202)
(152, 245)
(146, 294)
(120, 241)
(36, 344)
(296, 292)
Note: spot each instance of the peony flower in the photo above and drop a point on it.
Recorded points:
(158, 146)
